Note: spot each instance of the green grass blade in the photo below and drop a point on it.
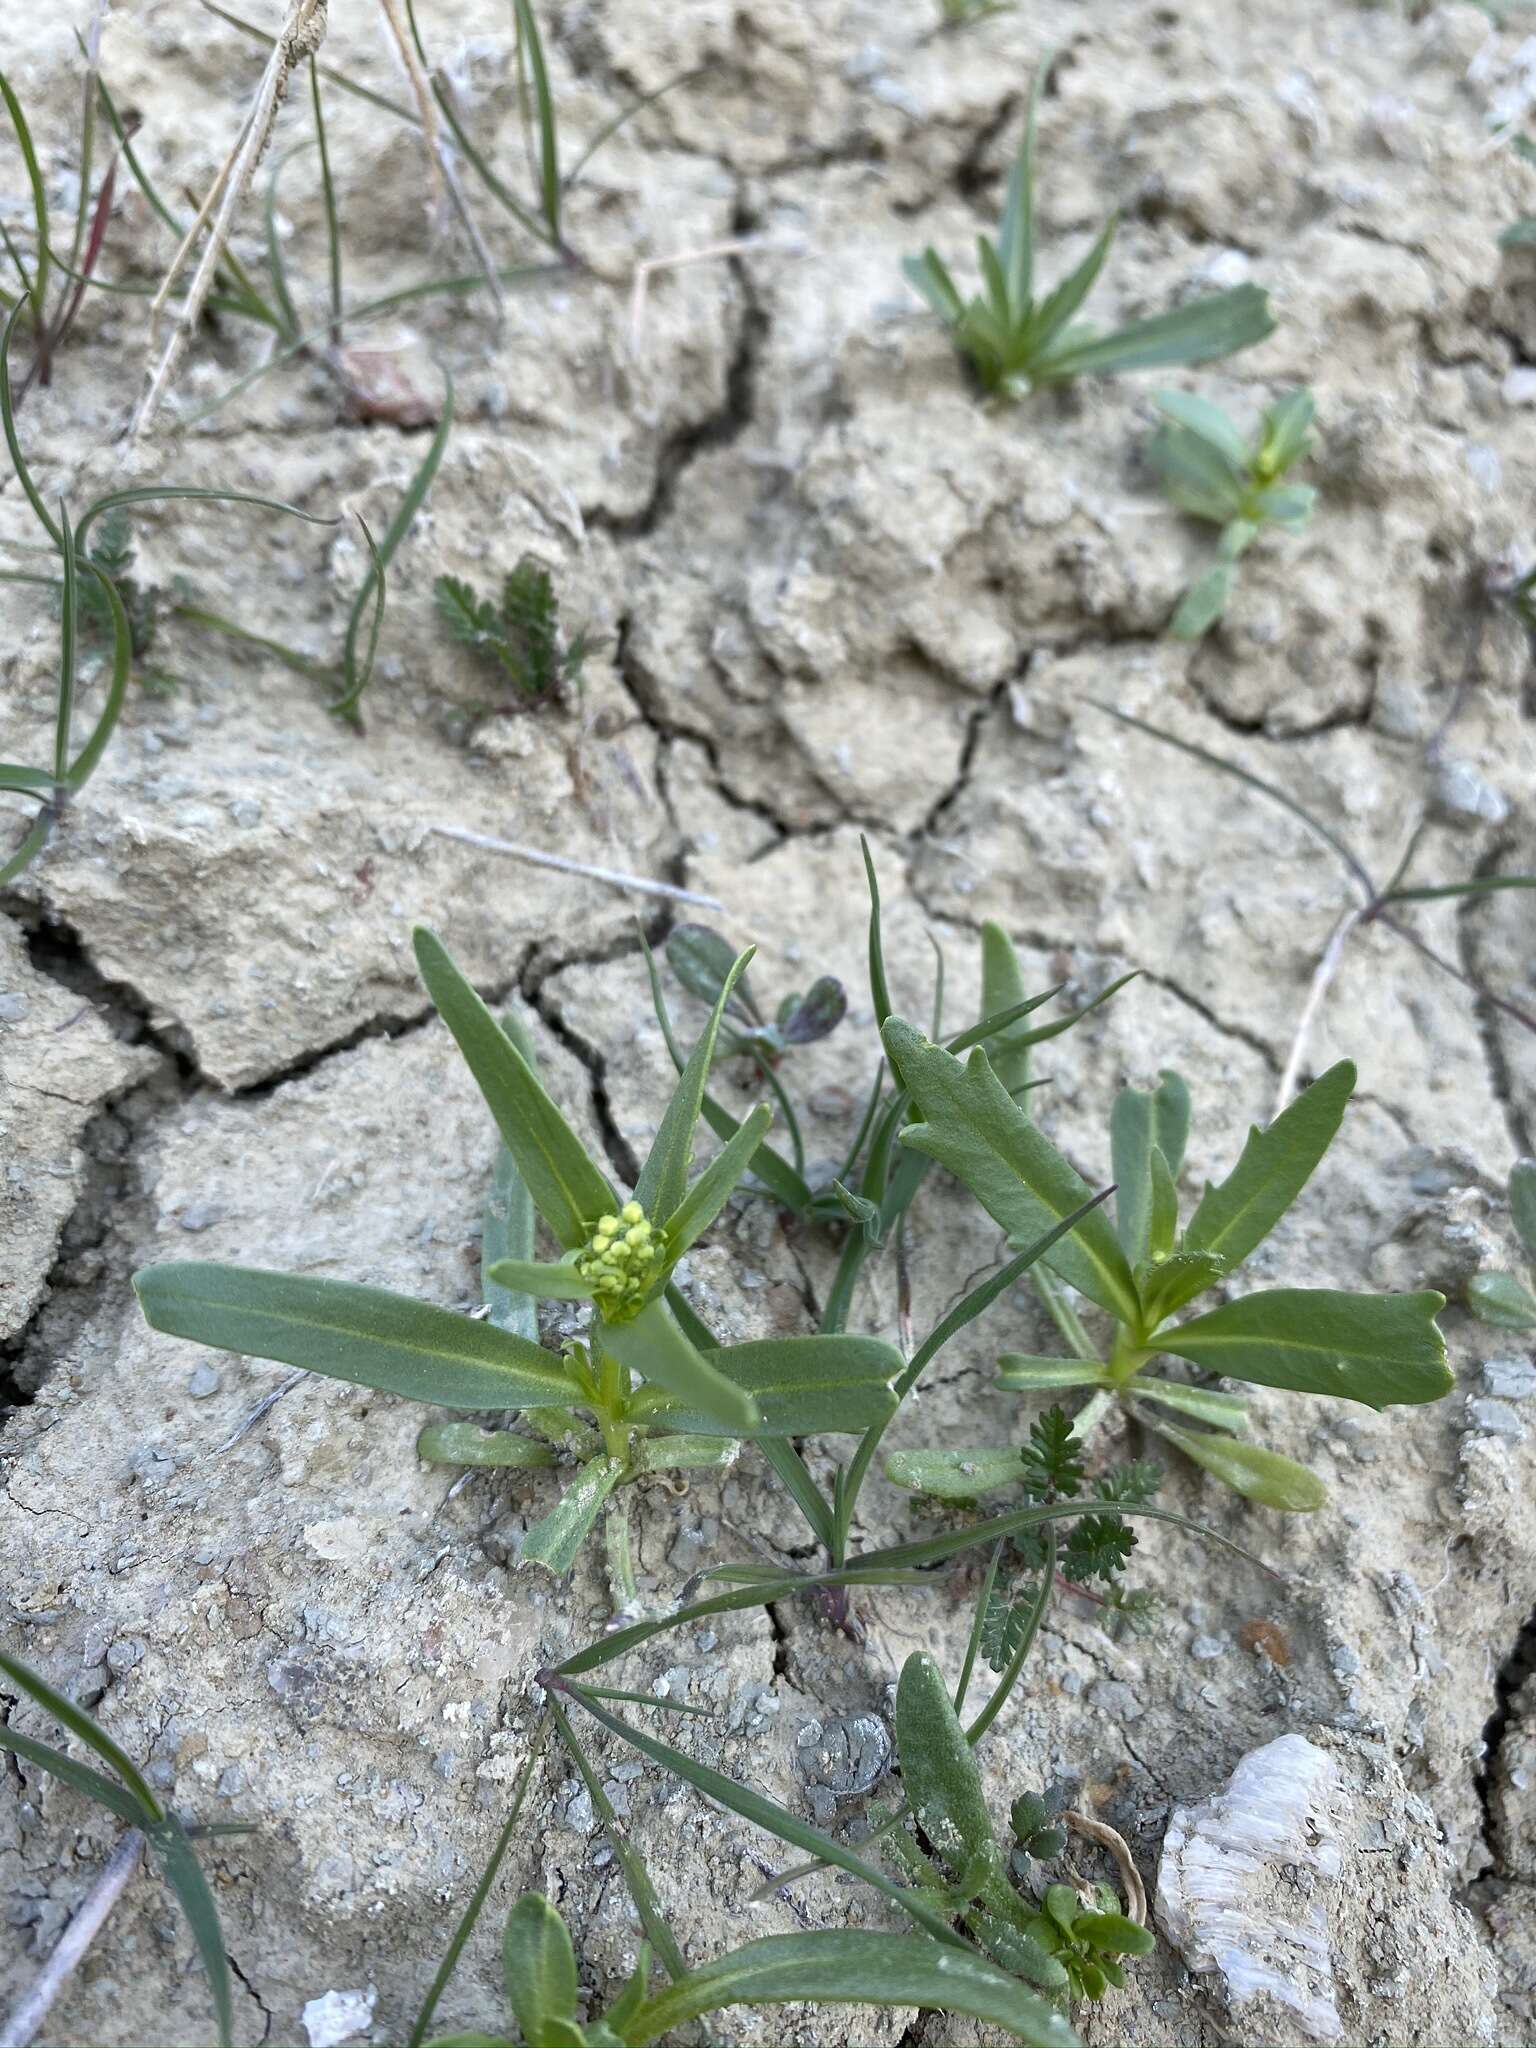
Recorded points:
(1203, 332)
(879, 988)
(77, 1776)
(482, 1891)
(1058, 307)
(87, 760)
(1479, 885)
(215, 622)
(8, 423)
(85, 1730)
(146, 494)
(364, 1335)
(664, 1176)
(380, 100)
(31, 846)
(620, 120)
(183, 1873)
(277, 269)
(69, 628)
(550, 187)
(356, 680)
(328, 196)
(1016, 235)
(38, 287)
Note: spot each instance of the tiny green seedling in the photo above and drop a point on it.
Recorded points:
(1017, 343)
(1379, 1349)
(1503, 1298)
(1064, 1944)
(1209, 471)
(519, 634)
(662, 1391)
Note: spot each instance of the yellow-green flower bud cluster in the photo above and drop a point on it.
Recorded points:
(621, 1262)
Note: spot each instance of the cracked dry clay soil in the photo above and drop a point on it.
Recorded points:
(833, 593)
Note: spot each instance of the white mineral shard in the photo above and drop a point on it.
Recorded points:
(1245, 1881)
(338, 2016)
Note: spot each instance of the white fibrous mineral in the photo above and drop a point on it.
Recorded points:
(1246, 1879)
(338, 2016)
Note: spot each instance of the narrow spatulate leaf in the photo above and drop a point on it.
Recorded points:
(870, 1969)
(973, 1126)
(364, 1335)
(1202, 332)
(539, 1965)
(1375, 1348)
(1500, 1299)
(1022, 1373)
(1141, 1121)
(1236, 1215)
(546, 1282)
(555, 1539)
(569, 1191)
(938, 1765)
(1259, 1475)
(1002, 989)
(508, 1225)
(806, 1386)
(1222, 1411)
(956, 1475)
(466, 1443)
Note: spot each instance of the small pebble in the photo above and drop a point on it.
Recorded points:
(204, 1381)
(1205, 1649)
(1495, 1418)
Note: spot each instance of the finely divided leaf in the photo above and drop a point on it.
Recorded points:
(1238, 1213)
(1375, 1348)
(973, 1126)
(568, 1190)
(365, 1335)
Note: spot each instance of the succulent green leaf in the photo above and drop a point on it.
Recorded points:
(804, 1386)
(364, 1335)
(653, 1345)
(1236, 1215)
(1500, 1299)
(1114, 1934)
(858, 1968)
(1141, 1122)
(1022, 1373)
(1257, 1474)
(938, 1765)
(664, 1177)
(1374, 1348)
(955, 1475)
(816, 1014)
(1163, 1218)
(1287, 431)
(710, 1190)
(555, 1538)
(466, 1443)
(539, 1964)
(1211, 427)
(1202, 604)
(929, 275)
(973, 1127)
(703, 961)
(683, 1454)
(568, 1189)
(1222, 1411)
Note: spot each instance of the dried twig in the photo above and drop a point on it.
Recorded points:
(302, 35)
(426, 106)
(26, 2018)
(711, 253)
(613, 876)
(1106, 1837)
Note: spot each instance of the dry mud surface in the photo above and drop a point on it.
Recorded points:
(834, 594)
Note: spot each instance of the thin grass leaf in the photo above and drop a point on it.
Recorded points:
(77, 1776)
(38, 284)
(636, 1876)
(328, 196)
(1479, 885)
(1016, 233)
(276, 268)
(147, 494)
(12, 441)
(215, 622)
(879, 989)
(85, 763)
(550, 187)
(481, 1893)
(1058, 307)
(1202, 332)
(627, 114)
(85, 1730)
(69, 627)
(354, 678)
(184, 1874)
(31, 846)
(663, 1178)
(400, 111)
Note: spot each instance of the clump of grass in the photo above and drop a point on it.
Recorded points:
(518, 633)
(1210, 472)
(1016, 342)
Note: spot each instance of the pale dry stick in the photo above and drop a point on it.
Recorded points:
(1327, 967)
(1105, 1836)
(711, 253)
(263, 1407)
(302, 35)
(613, 876)
(426, 106)
(26, 2018)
